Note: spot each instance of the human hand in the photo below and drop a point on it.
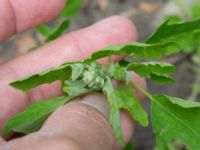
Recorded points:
(80, 124)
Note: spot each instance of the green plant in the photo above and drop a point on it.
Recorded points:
(191, 44)
(70, 10)
(173, 119)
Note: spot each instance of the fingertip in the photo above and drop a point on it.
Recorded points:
(123, 29)
(7, 23)
(31, 13)
(124, 26)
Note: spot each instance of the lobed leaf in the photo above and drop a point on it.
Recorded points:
(114, 116)
(161, 78)
(75, 88)
(123, 98)
(145, 69)
(156, 71)
(177, 120)
(167, 31)
(61, 73)
(34, 116)
(115, 121)
(77, 70)
(130, 103)
(140, 50)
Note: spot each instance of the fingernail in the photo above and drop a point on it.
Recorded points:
(98, 101)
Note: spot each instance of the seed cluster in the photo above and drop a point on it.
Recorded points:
(94, 76)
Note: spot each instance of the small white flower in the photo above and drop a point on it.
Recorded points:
(93, 77)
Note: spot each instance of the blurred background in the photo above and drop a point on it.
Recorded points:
(146, 15)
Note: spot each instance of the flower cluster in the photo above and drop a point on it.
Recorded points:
(94, 76)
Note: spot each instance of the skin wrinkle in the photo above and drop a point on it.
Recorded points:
(6, 146)
(17, 76)
(79, 46)
(14, 16)
(89, 116)
(33, 138)
(6, 18)
(31, 13)
(20, 15)
(36, 94)
(58, 143)
(39, 93)
(31, 98)
(13, 71)
(85, 114)
(97, 101)
(36, 139)
(7, 106)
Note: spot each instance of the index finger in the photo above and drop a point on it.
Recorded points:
(20, 15)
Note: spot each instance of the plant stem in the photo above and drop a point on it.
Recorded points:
(142, 90)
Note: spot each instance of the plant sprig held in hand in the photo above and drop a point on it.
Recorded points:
(173, 119)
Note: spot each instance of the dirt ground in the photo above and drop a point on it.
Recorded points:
(145, 15)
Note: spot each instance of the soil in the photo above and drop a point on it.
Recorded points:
(144, 14)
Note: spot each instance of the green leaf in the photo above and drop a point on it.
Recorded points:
(145, 69)
(128, 146)
(44, 30)
(71, 8)
(130, 103)
(61, 73)
(114, 116)
(59, 31)
(140, 50)
(161, 78)
(75, 88)
(110, 68)
(175, 119)
(77, 71)
(123, 98)
(173, 19)
(181, 102)
(120, 73)
(34, 116)
(167, 31)
(115, 122)
(156, 71)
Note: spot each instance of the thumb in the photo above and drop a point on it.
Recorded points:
(79, 125)
(85, 121)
